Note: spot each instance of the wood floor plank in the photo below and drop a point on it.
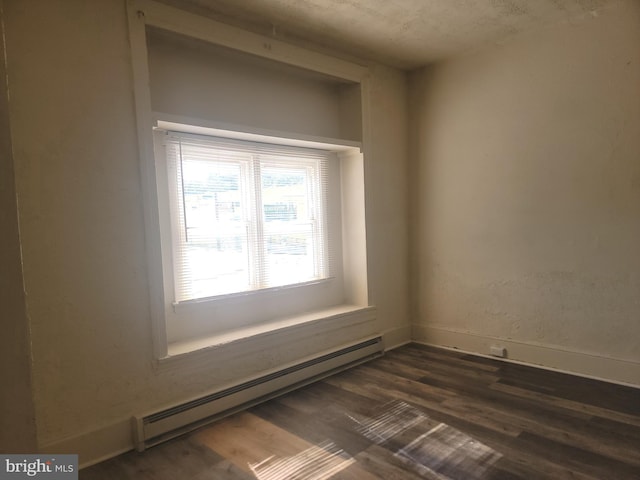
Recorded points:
(405, 367)
(500, 393)
(624, 432)
(315, 399)
(588, 390)
(224, 470)
(246, 439)
(383, 464)
(177, 457)
(511, 408)
(580, 435)
(401, 379)
(569, 405)
(315, 429)
(465, 370)
(580, 460)
(446, 357)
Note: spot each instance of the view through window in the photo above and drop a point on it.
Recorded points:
(244, 216)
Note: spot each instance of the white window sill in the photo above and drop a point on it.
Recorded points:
(343, 314)
(241, 297)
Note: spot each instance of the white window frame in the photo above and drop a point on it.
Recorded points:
(253, 157)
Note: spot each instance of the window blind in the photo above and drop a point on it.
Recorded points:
(245, 215)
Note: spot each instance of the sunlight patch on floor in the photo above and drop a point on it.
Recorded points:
(449, 453)
(319, 462)
(431, 449)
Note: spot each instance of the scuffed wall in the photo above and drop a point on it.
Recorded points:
(528, 195)
(81, 219)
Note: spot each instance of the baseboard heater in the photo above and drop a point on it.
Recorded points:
(162, 425)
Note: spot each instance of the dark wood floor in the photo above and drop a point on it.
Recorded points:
(417, 412)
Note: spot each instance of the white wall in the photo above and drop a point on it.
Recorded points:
(82, 229)
(386, 176)
(527, 185)
(194, 79)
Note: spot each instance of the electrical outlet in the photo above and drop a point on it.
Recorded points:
(498, 351)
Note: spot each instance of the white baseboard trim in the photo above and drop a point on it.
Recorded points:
(550, 357)
(95, 446)
(396, 337)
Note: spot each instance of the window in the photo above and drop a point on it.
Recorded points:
(244, 215)
(256, 232)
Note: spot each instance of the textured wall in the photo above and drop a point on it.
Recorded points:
(78, 187)
(17, 423)
(81, 219)
(528, 189)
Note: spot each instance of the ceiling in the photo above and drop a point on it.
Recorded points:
(402, 33)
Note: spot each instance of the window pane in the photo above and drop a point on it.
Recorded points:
(289, 224)
(289, 258)
(216, 256)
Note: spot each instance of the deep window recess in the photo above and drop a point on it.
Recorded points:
(281, 257)
(244, 215)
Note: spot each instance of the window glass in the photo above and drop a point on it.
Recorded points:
(245, 216)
